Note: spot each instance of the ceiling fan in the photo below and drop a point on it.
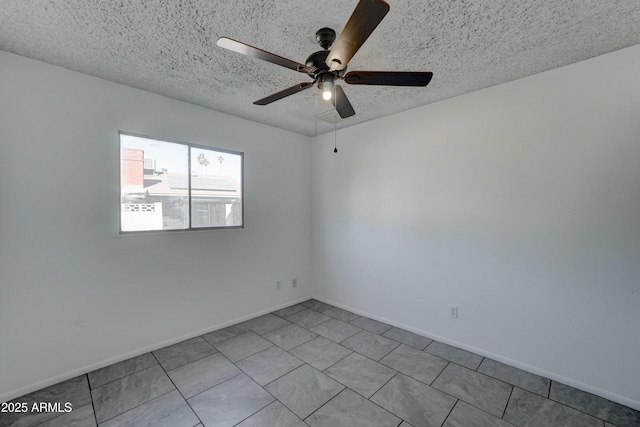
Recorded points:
(326, 67)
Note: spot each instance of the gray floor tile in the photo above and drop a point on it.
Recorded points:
(465, 415)
(413, 401)
(371, 325)
(242, 346)
(408, 338)
(515, 376)
(454, 354)
(335, 330)
(316, 305)
(229, 403)
(137, 392)
(372, 345)
(116, 397)
(269, 365)
(121, 369)
(274, 415)
(528, 409)
(415, 363)
(78, 417)
(198, 376)
(225, 333)
(308, 318)
(288, 311)
(360, 374)
(75, 391)
(169, 410)
(348, 409)
(481, 391)
(265, 323)
(304, 390)
(290, 336)
(340, 314)
(176, 355)
(617, 414)
(321, 353)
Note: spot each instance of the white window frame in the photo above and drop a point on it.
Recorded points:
(189, 146)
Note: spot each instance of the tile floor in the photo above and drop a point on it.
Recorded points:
(315, 365)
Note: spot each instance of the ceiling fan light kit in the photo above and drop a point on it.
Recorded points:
(326, 85)
(328, 66)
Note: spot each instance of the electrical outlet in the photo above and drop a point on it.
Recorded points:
(294, 283)
(453, 311)
(79, 328)
(278, 285)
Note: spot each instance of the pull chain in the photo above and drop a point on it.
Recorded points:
(316, 115)
(335, 137)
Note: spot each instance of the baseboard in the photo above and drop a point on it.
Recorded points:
(634, 404)
(5, 397)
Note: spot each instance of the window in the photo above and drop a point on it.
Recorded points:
(175, 186)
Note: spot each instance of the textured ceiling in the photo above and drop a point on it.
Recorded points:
(169, 47)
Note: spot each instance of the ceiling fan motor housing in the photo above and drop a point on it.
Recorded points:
(317, 61)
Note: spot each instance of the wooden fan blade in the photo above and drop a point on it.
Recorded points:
(284, 93)
(342, 104)
(245, 49)
(389, 78)
(365, 18)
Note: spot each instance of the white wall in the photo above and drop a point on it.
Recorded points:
(62, 260)
(519, 203)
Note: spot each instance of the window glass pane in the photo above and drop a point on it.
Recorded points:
(154, 184)
(216, 188)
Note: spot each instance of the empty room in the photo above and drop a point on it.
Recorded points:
(341, 213)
